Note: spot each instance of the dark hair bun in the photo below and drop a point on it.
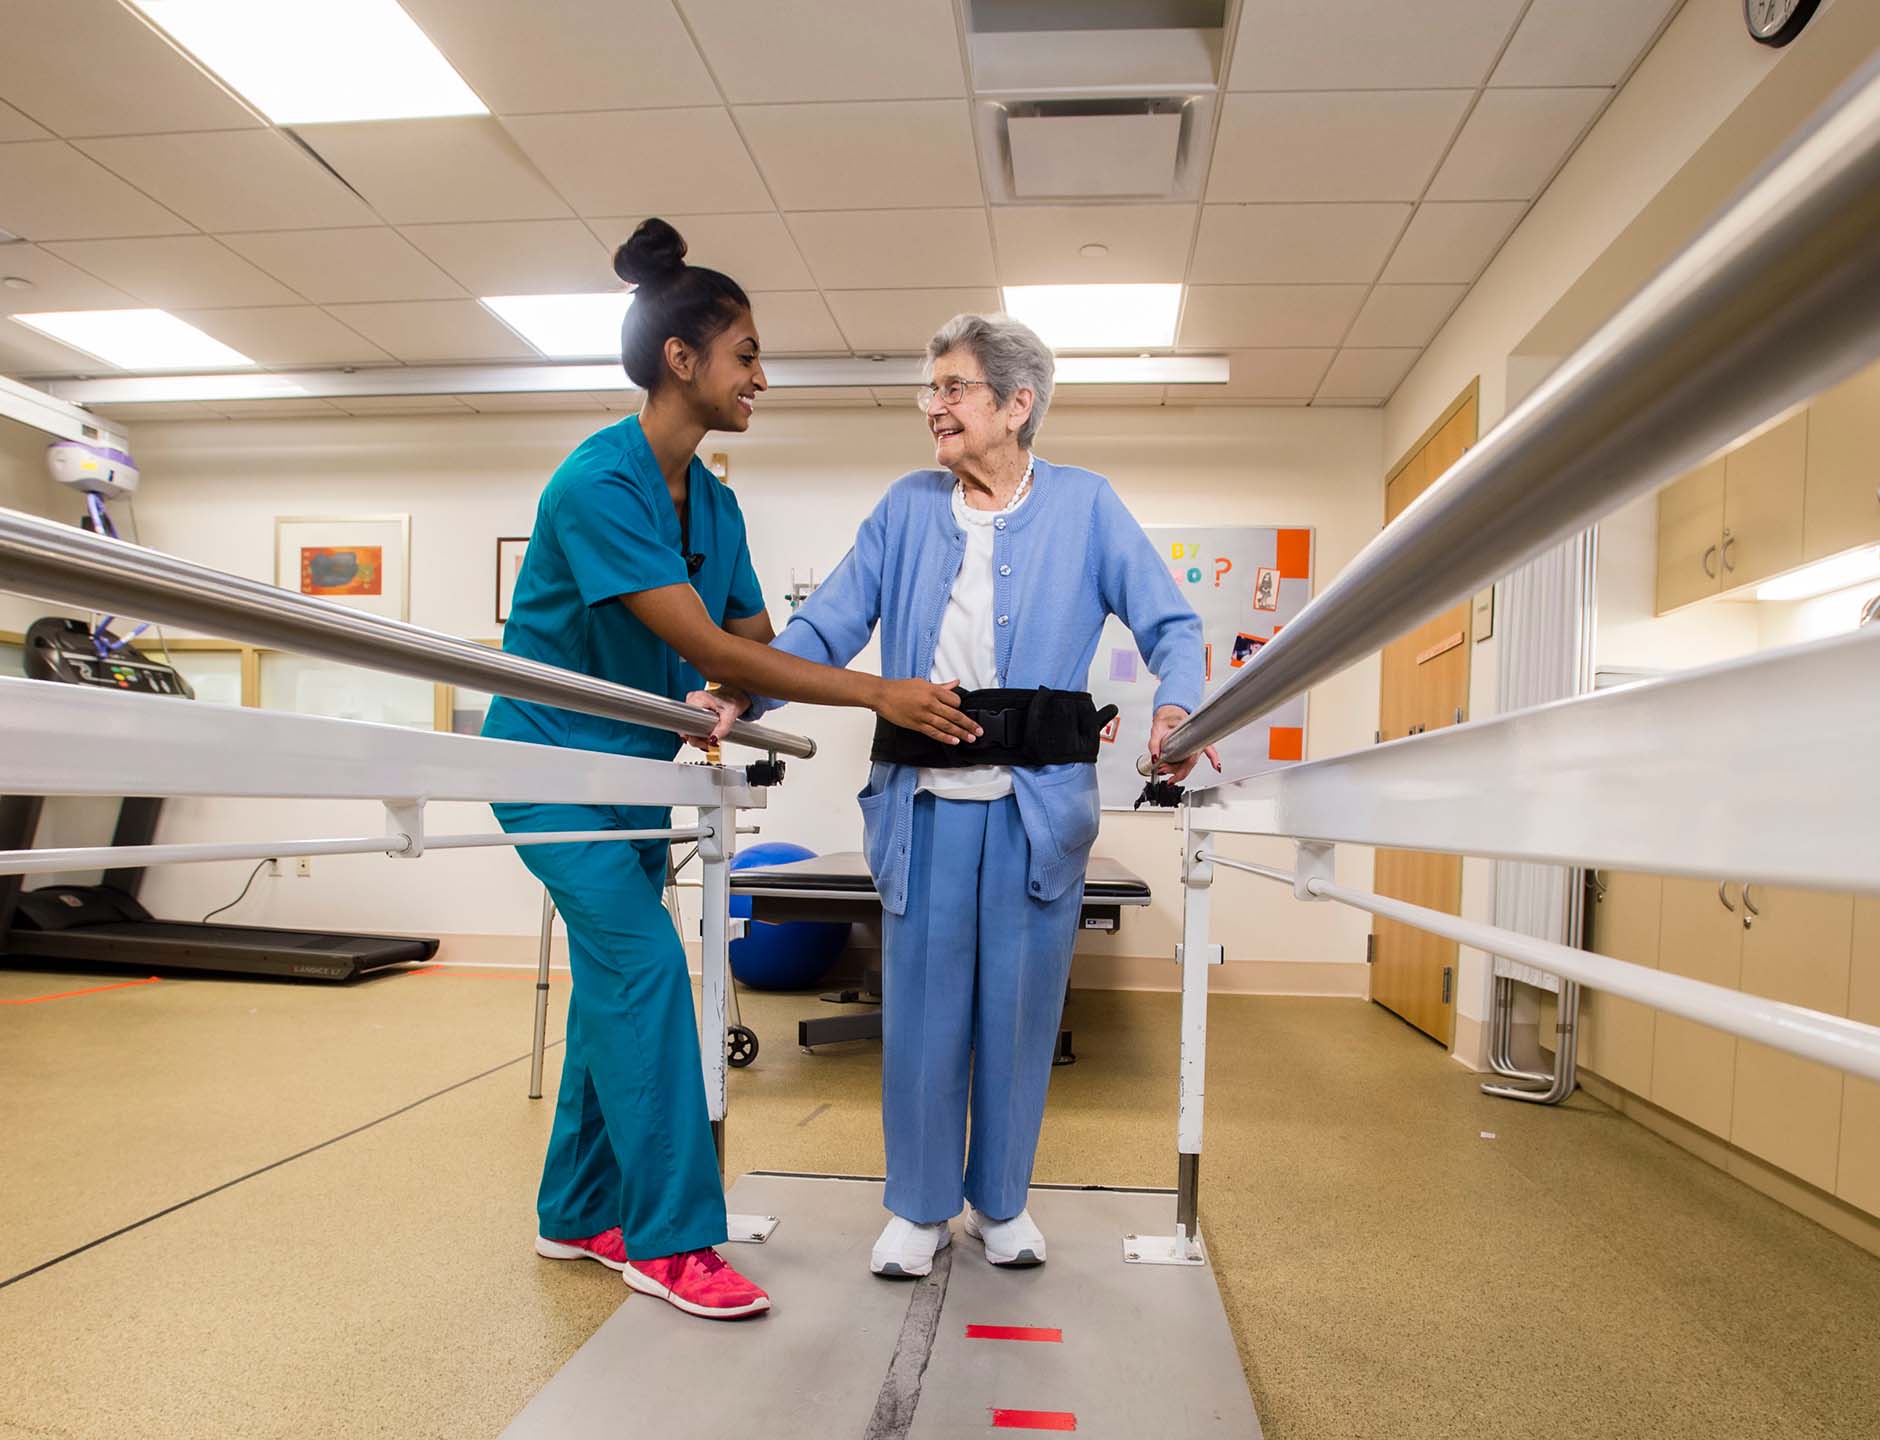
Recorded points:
(654, 252)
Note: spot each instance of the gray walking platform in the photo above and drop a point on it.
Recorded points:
(1137, 1350)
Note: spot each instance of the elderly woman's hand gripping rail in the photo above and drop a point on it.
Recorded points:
(995, 571)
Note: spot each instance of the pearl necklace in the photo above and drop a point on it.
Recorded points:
(1024, 487)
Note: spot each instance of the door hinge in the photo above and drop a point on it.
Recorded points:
(1458, 714)
(1370, 949)
(1448, 974)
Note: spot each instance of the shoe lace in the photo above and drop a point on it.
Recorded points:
(710, 1261)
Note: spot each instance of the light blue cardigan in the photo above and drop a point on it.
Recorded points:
(1071, 555)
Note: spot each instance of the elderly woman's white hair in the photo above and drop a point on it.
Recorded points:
(1012, 355)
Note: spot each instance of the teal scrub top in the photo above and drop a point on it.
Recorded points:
(606, 527)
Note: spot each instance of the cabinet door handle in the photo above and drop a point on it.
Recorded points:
(1749, 905)
(1729, 544)
(1723, 899)
(1708, 572)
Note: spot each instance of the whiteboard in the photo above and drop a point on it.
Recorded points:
(1245, 582)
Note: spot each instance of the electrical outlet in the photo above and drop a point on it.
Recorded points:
(303, 866)
(274, 869)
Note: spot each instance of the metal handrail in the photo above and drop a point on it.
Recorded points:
(75, 567)
(1778, 299)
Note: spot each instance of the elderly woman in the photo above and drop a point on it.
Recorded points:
(994, 573)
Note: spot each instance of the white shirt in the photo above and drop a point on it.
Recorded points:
(966, 651)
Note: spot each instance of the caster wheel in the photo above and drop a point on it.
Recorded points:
(740, 1046)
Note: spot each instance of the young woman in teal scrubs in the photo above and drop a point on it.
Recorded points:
(638, 572)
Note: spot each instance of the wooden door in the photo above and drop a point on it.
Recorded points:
(1841, 496)
(1700, 936)
(1690, 537)
(1425, 686)
(1762, 504)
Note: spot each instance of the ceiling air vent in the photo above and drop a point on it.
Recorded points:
(1095, 100)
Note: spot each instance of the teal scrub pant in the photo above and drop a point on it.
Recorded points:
(632, 1144)
(973, 977)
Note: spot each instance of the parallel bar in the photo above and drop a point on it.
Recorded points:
(74, 567)
(1688, 775)
(1776, 301)
(1810, 1034)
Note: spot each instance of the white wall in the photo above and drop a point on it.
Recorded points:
(805, 478)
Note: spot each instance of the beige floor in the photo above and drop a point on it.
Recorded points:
(1389, 1270)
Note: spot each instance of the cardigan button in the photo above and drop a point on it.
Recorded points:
(999, 524)
(1005, 619)
(1005, 569)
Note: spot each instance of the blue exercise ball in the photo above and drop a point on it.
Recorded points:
(791, 956)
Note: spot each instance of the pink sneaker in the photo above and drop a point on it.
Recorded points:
(606, 1247)
(699, 1282)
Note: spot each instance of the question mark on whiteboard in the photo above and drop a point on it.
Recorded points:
(1221, 566)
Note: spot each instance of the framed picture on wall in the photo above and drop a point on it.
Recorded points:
(363, 561)
(509, 552)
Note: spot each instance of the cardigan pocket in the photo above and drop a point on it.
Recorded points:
(877, 829)
(1061, 810)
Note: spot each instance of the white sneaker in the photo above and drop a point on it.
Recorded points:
(1017, 1241)
(908, 1249)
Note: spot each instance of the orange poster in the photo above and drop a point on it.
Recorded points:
(349, 570)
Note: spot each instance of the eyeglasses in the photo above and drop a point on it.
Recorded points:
(951, 391)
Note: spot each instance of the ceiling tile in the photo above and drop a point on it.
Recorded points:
(1262, 375)
(232, 180)
(423, 330)
(1145, 244)
(336, 266)
(48, 191)
(499, 404)
(93, 67)
(519, 257)
(176, 271)
(15, 126)
(27, 352)
(903, 321)
(833, 50)
(865, 156)
(583, 55)
(402, 405)
(1108, 395)
(878, 249)
(280, 407)
(156, 410)
(415, 172)
(795, 322)
(1375, 145)
(1367, 376)
(657, 162)
(57, 284)
(1368, 44)
(1451, 242)
(1580, 42)
(753, 248)
(1246, 317)
(1295, 244)
(1403, 315)
(1513, 143)
(282, 335)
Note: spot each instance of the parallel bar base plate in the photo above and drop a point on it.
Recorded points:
(1176, 1249)
(750, 1229)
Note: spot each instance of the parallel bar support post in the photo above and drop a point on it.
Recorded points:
(539, 1047)
(714, 853)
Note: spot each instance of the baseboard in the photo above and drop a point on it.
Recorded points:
(1830, 1212)
(1088, 972)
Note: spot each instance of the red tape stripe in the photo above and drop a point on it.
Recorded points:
(1014, 1332)
(1033, 1420)
(74, 994)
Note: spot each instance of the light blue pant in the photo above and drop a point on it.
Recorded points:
(631, 1144)
(973, 978)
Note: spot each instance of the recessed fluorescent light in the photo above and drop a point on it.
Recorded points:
(1837, 572)
(565, 327)
(1097, 317)
(136, 339)
(304, 62)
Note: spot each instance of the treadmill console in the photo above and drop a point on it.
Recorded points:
(63, 650)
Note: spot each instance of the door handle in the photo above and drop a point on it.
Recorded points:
(1708, 572)
(1729, 544)
(1724, 899)
(1749, 906)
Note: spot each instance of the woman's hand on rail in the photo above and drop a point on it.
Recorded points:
(1168, 719)
(724, 703)
(934, 710)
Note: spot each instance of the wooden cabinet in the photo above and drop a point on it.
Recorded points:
(1787, 1110)
(1690, 537)
(1841, 501)
(1858, 1179)
(1762, 504)
(1700, 935)
(1616, 1034)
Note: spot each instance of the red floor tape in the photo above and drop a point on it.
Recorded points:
(74, 994)
(1014, 1332)
(1033, 1420)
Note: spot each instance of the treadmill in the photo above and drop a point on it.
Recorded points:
(104, 923)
